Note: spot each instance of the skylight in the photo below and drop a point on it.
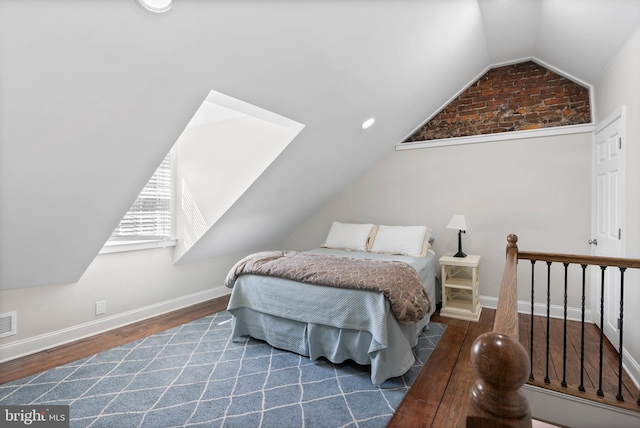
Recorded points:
(223, 150)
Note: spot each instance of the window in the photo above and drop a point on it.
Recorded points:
(150, 216)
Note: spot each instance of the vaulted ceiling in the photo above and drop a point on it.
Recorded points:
(94, 93)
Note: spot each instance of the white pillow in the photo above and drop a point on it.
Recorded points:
(405, 240)
(348, 236)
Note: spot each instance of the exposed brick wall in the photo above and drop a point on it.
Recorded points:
(510, 98)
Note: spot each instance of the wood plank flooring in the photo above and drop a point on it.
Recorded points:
(440, 393)
(45, 360)
(438, 397)
(570, 371)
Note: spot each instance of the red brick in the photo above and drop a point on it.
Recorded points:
(477, 105)
(524, 100)
(482, 86)
(531, 126)
(490, 92)
(511, 89)
(530, 91)
(556, 101)
(468, 95)
(536, 99)
(495, 103)
(532, 96)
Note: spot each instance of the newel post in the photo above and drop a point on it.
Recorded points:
(512, 244)
(502, 366)
(500, 361)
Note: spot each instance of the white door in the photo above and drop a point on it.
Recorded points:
(607, 219)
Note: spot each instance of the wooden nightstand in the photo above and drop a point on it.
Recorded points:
(460, 279)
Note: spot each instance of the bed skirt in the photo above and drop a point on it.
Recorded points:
(335, 344)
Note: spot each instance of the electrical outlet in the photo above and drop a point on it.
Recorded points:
(101, 307)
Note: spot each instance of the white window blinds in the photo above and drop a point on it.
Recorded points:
(150, 216)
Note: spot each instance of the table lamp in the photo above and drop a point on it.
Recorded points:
(459, 222)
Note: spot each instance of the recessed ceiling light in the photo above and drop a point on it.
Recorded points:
(367, 123)
(157, 6)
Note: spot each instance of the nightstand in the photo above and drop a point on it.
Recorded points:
(460, 279)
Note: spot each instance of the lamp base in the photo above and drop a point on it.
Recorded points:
(460, 253)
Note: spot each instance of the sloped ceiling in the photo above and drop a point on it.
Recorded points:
(94, 93)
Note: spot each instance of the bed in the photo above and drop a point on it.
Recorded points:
(362, 325)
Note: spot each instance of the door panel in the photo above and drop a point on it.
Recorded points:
(608, 191)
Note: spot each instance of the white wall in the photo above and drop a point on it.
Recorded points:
(94, 93)
(537, 188)
(618, 86)
(135, 285)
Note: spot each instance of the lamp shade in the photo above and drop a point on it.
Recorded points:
(459, 222)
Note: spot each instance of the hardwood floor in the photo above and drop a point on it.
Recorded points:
(439, 395)
(570, 371)
(45, 360)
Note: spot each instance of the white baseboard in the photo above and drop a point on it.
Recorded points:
(540, 309)
(21, 348)
(574, 314)
(568, 410)
(631, 366)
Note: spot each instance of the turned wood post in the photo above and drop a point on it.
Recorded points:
(496, 400)
(500, 361)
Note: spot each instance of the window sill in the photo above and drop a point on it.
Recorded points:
(119, 247)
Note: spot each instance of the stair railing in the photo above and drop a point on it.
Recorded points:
(603, 263)
(500, 361)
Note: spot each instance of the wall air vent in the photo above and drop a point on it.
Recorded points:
(8, 325)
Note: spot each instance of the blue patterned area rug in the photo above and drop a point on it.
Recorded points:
(195, 376)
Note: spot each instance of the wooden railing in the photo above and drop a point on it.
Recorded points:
(603, 263)
(500, 361)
